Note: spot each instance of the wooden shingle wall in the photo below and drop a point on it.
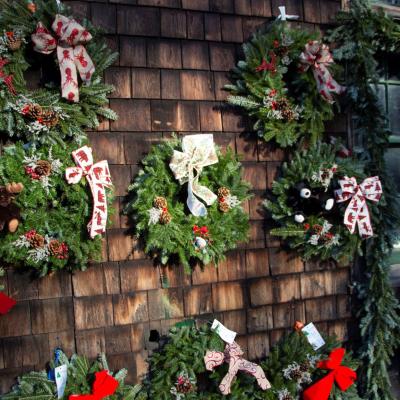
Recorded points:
(174, 58)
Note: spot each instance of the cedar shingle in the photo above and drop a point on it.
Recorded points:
(222, 6)
(284, 263)
(170, 84)
(195, 55)
(228, 296)
(132, 52)
(312, 12)
(231, 28)
(117, 339)
(261, 292)
(164, 54)
(285, 315)
(173, 23)
(197, 85)
(17, 321)
(257, 346)
(89, 282)
(243, 7)
(210, 117)
(233, 267)
(235, 320)
(286, 288)
(321, 309)
(108, 146)
(120, 245)
(197, 300)
(146, 83)
(130, 308)
(133, 115)
(139, 275)
(257, 263)
(195, 25)
(212, 27)
(91, 343)
(202, 5)
(138, 21)
(21, 286)
(222, 56)
(259, 319)
(165, 303)
(261, 8)
(104, 17)
(121, 80)
(93, 312)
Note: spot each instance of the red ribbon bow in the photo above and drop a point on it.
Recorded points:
(71, 54)
(343, 376)
(318, 57)
(7, 79)
(98, 177)
(104, 385)
(6, 303)
(357, 212)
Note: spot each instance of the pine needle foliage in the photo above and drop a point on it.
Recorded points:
(362, 38)
(81, 375)
(61, 211)
(74, 117)
(250, 88)
(184, 349)
(304, 165)
(173, 242)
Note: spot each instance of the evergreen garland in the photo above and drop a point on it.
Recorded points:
(283, 101)
(38, 385)
(52, 233)
(60, 119)
(173, 236)
(309, 167)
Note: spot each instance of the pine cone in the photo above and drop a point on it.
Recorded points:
(165, 218)
(223, 206)
(34, 111)
(37, 241)
(54, 247)
(296, 374)
(160, 202)
(49, 118)
(43, 168)
(184, 388)
(223, 192)
(305, 366)
(13, 42)
(287, 397)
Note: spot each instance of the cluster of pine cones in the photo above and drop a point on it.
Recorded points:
(161, 203)
(223, 193)
(46, 117)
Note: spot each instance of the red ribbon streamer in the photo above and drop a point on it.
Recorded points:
(6, 303)
(104, 385)
(343, 376)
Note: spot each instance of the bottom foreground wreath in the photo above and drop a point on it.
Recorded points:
(177, 371)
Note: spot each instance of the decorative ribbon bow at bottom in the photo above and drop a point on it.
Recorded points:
(343, 376)
(198, 152)
(71, 54)
(6, 303)
(233, 356)
(318, 57)
(357, 212)
(103, 386)
(98, 177)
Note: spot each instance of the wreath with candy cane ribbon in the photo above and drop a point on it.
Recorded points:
(285, 83)
(69, 57)
(52, 232)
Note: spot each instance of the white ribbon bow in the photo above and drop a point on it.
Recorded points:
(283, 16)
(98, 177)
(357, 212)
(198, 152)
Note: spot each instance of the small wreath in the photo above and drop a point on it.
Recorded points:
(31, 42)
(310, 219)
(284, 84)
(50, 216)
(169, 231)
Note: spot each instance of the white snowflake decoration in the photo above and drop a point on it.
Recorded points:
(283, 394)
(154, 215)
(314, 240)
(232, 201)
(324, 176)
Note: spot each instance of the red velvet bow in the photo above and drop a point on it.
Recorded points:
(6, 303)
(104, 385)
(343, 376)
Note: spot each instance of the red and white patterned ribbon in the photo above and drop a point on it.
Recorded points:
(233, 356)
(71, 54)
(318, 57)
(98, 176)
(357, 212)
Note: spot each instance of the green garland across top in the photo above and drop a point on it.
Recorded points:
(285, 102)
(169, 231)
(52, 233)
(41, 115)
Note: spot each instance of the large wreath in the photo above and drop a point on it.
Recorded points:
(304, 206)
(45, 223)
(42, 36)
(170, 232)
(284, 84)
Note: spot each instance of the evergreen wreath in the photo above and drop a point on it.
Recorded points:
(52, 232)
(304, 206)
(42, 115)
(177, 369)
(80, 377)
(278, 90)
(170, 233)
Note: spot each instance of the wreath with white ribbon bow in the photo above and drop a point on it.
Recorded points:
(285, 83)
(52, 233)
(186, 202)
(314, 203)
(42, 38)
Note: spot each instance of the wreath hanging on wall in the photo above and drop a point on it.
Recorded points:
(43, 37)
(186, 202)
(285, 84)
(43, 218)
(314, 217)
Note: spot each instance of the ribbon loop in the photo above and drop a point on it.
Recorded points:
(283, 16)
(98, 177)
(198, 152)
(318, 57)
(72, 55)
(233, 356)
(357, 213)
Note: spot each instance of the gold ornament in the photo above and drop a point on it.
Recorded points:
(223, 192)
(14, 187)
(31, 7)
(298, 326)
(37, 241)
(165, 218)
(43, 168)
(223, 206)
(49, 118)
(160, 202)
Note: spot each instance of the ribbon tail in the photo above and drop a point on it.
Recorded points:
(212, 359)
(83, 63)
(225, 384)
(364, 223)
(69, 78)
(196, 207)
(320, 390)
